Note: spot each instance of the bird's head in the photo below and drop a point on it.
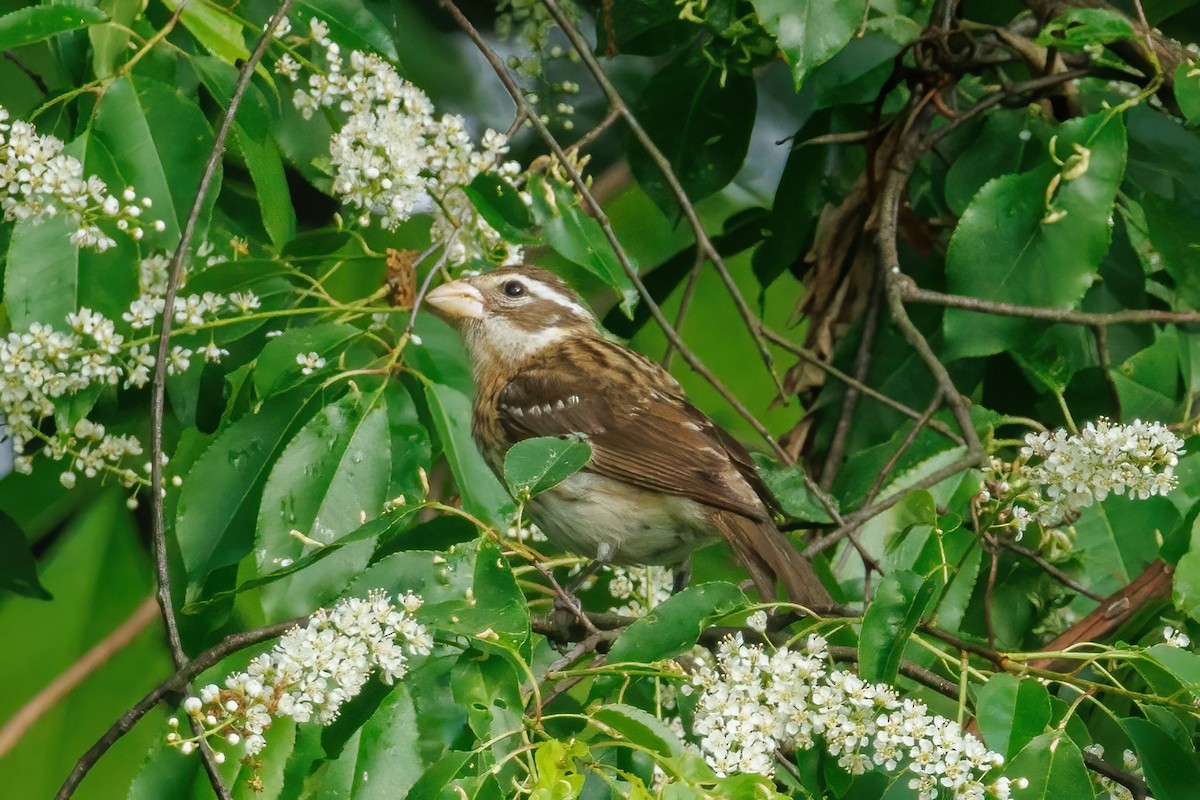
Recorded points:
(509, 315)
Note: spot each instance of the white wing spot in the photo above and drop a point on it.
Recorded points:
(691, 426)
(573, 400)
(560, 406)
(546, 409)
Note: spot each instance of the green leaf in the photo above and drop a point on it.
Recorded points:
(386, 758)
(214, 27)
(270, 186)
(641, 728)
(489, 688)
(789, 488)
(352, 24)
(1187, 90)
(277, 369)
(18, 567)
(675, 625)
(502, 207)
(481, 492)
(220, 496)
(110, 43)
(579, 238)
(700, 117)
(495, 602)
(1011, 712)
(434, 782)
(996, 148)
(1077, 28)
(643, 28)
(41, 278)
(35, 23)
(535, 465)
(1171, 771)
(1054, 768)
(381, 529)
(1185, 591)
(331, 478)
(160, 141)
(809, 32)
(893, 614)
(253, 139)
(1006, 247)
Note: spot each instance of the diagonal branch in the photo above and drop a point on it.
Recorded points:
(593, 207)
(174, 684)
(157, 392)
(704, 243)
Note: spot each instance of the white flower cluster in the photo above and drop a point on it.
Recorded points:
(642, 588)
(1068, 472)
(756, 703)
(311, 671)
(394, 158)
(38, 180)
(41, 365)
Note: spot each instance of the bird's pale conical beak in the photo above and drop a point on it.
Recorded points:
(457, 300)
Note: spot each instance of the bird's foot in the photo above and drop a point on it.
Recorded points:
(681, 576)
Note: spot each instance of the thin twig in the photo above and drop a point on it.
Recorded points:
(856, 520)
(910, 292)
(753, 323)
(172, 685)
(65, 682)
(1100, 334)
(592, 206)
(684, 303)
(862, 364)
(157, 391)
(1052, 571)
(908, 440)
(807, 356)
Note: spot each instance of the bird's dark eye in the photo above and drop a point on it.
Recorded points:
(514, 288)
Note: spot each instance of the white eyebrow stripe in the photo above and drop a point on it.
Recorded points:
(543, 291)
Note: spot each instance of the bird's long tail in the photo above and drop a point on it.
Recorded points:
(772, 560)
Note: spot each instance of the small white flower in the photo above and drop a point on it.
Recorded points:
(1174, 638)
(757, 621)
(309, 362)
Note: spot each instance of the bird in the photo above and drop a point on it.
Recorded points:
(662, 479)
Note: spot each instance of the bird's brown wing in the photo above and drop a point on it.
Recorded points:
(642, 430)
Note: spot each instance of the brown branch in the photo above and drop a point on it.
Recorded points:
(910, 292)
(751, 320)
(172, 685)
(862, 364)
(592, 206)
(65, 682)
(888, 211)
(1150, 587)
(685, 302)
(158, 387)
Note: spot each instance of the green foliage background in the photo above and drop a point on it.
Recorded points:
(769, 113)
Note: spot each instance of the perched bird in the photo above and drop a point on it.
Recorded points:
(662, 480)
